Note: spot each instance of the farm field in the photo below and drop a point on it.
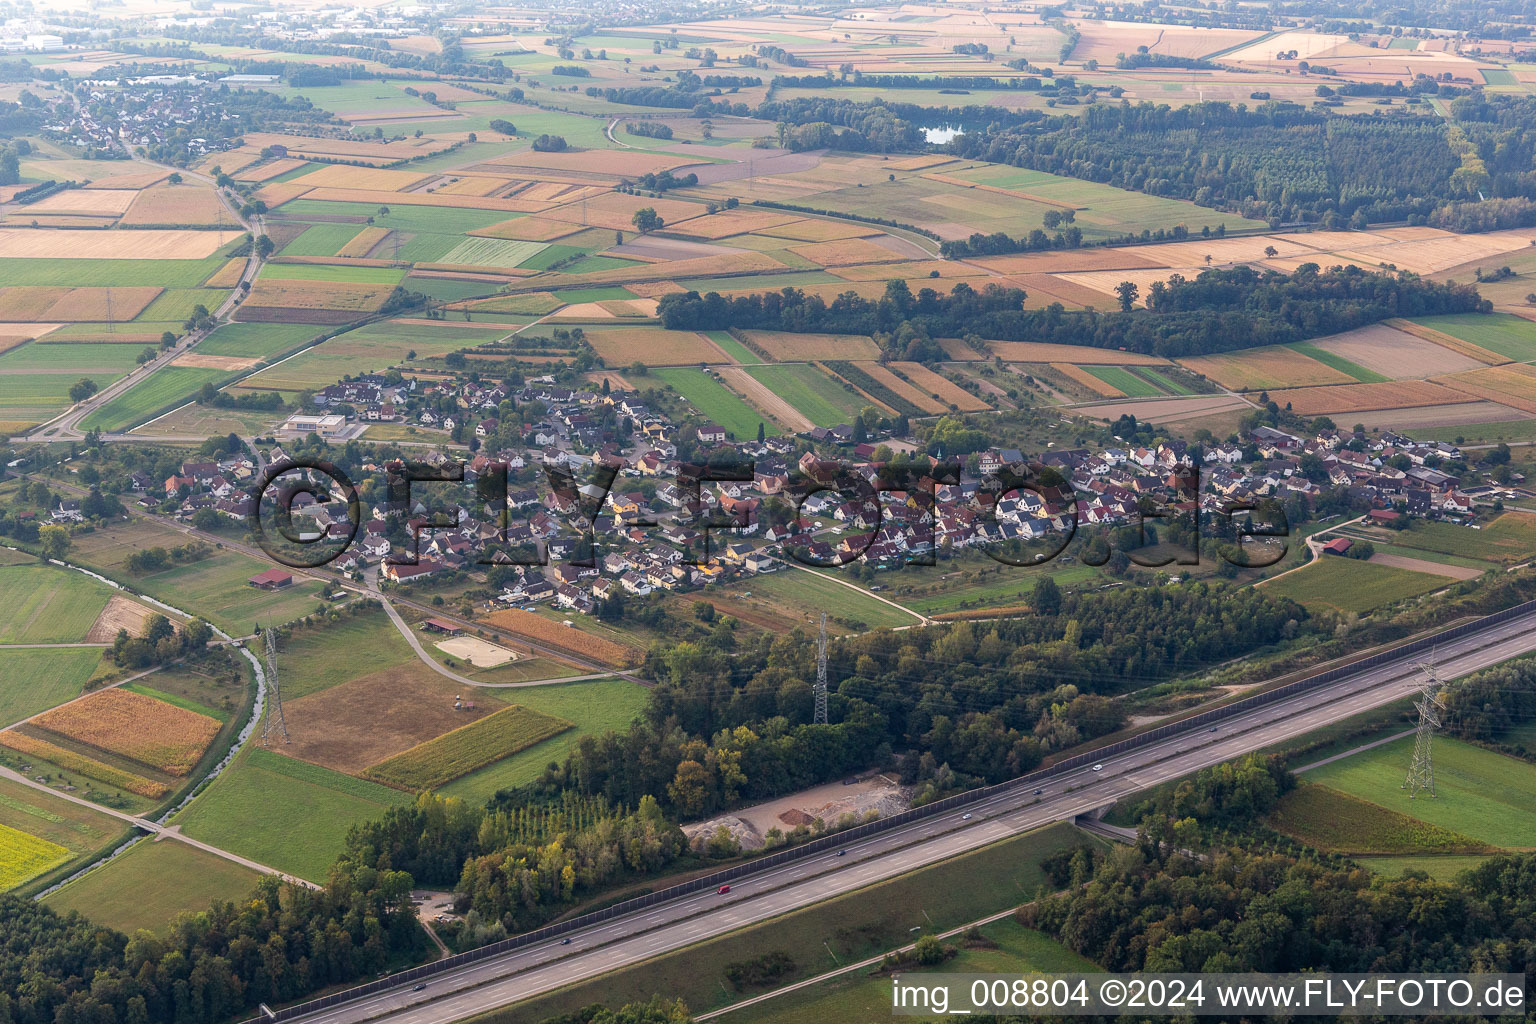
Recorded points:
(653, 346)
(1350, 585)
(1338, 362)
(1509, 539)
(1262, 369)
(1484, 795)
(812, 393)
(151, 884)
(371, 348)
(1123, 380)
(1009, 588)
(33, 398)
(1442, 868)
(1329, 819)
(71, 358)
(594, 706)
(51, 818)
(716, 402)
(51, 605)
(312, 659)
(51, 678)
(785, 347)
(256, 341)
(283, 812)
(24, 857)
(801, 595)
(466, 749)
(151, 732)
(166, 387)
(1511, 336)
(574, 641)
(217, 588)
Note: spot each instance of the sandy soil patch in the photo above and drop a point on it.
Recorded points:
(479, 653)
(1395, 353)
(1443, 415)
(828, 802)
(1455, 572)
(361, 722)
(762, 397)
(214, 362)
(120, 613)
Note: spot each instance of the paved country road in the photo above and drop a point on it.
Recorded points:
(624, 941)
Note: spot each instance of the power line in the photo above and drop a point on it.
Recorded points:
(821, 673)
(1421, 773)
(274, 694)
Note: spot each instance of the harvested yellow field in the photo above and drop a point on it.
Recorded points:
(40, 244)
(537, 303)
(616, 211)
(680, 270)
(847, 251)
(786, 347)
(16, 335)
(277, 193)
(100, 201)
(474, 185)
(918, 397)
(1070, 261)
(91, 768)
(653, 346)
(54, 303)
(943, 389)
(920, 163)
(269, 170)
(362, 243)
(1513, 385)
(1042, 352)
(656, 289)
(1403, 394)
(369, 178)
(809, 230)
(735, 222)
(375, 197)
(226, 276)
(1262, 369)
(345, 149)
(142, 729)
(917, 269)
(214, 362)
(959, 351)
(629, 163)
(132, 182)
(179, 205)
(1087, 380)
(355, 296)
(529, 229)
(1449, 341)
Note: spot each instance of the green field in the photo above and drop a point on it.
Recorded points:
(164, 389)
(1351, 585)
(715, 401)
(492, 252)
(1509, 539)
(817, 397)
(1168, 384)
(216, 587)
(861, 924)
(179, 304)
(1010, 586)
(731, 347)
(153, 883)
(1339, 363)
(857, 996)
(1478, 793)
(466, 749)
(32, 681)
(76, 359)
(1330, 820)
(593, 294)
(47, 605)
(1125, 380)
(329, 272)
(435, 220)
(165, 273)
(320, 657)
(257, 341)
(373, 347)
(1481, 433)
(1442, 869)
(48, 392)
(810, 592)
(1504, 333)
(284, 813)
(321, 240)
(596, 706)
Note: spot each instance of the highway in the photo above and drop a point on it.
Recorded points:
(609, 945)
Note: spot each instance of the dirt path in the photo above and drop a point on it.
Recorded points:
(754, 391)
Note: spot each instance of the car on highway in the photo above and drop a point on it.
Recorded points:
(965, 817)
(565, 942)
(723, 890)
(842, 853)
(1039, 791)
(1214, 728)
(1098, 767)
(418, 988)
